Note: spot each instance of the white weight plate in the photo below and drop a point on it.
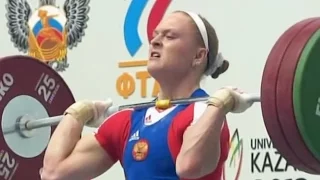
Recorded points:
(25, 147)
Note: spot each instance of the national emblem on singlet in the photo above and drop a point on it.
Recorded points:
(48, 31)
(140, 150)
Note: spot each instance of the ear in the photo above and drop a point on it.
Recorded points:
(200, 57)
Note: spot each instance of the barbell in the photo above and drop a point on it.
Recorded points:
(33, 98)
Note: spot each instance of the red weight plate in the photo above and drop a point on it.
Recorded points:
(268, 97)
(285, 95)
(27, 85)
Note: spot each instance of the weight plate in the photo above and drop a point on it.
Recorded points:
(306, 93)
(268, 96)
(27, 86)
(39, 138)
(285, 96)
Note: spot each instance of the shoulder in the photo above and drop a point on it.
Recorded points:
(113, 132)
(188, 116)
(125, 113)
(115, 121)
(192, 113)
(198, 110)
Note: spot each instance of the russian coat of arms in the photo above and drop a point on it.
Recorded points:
(48, 31)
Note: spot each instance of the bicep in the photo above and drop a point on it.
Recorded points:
(95, 154)
(88, 160)
(224, 140)
(190, 129)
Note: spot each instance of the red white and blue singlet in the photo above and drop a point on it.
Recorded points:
(147, 141)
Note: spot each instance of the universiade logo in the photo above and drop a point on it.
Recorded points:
(126, 83)
(233, 165)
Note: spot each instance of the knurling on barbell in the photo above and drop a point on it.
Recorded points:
(33, 97)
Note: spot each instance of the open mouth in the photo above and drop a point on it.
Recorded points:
(155, 54)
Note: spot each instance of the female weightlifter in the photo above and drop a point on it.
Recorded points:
(179, 142)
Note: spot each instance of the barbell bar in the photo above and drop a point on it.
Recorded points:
(33, 96)
(55, 120)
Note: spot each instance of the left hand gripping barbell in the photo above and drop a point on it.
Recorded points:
(33, 97)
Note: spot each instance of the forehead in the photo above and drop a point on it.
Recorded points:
(175, 21)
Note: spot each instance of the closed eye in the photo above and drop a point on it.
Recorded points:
(170, 37)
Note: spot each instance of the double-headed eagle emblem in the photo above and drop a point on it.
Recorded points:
(49, 31)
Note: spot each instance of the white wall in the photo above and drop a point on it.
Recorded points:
(247, 30)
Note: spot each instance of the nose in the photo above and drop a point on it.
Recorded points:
(156, 41)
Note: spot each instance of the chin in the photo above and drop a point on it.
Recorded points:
(155, 69)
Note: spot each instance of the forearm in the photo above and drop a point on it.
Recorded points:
(63, 141)
(201, 147)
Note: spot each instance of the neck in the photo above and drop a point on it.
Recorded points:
(174, 89)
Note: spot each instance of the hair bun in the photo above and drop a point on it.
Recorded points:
(223, 68)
